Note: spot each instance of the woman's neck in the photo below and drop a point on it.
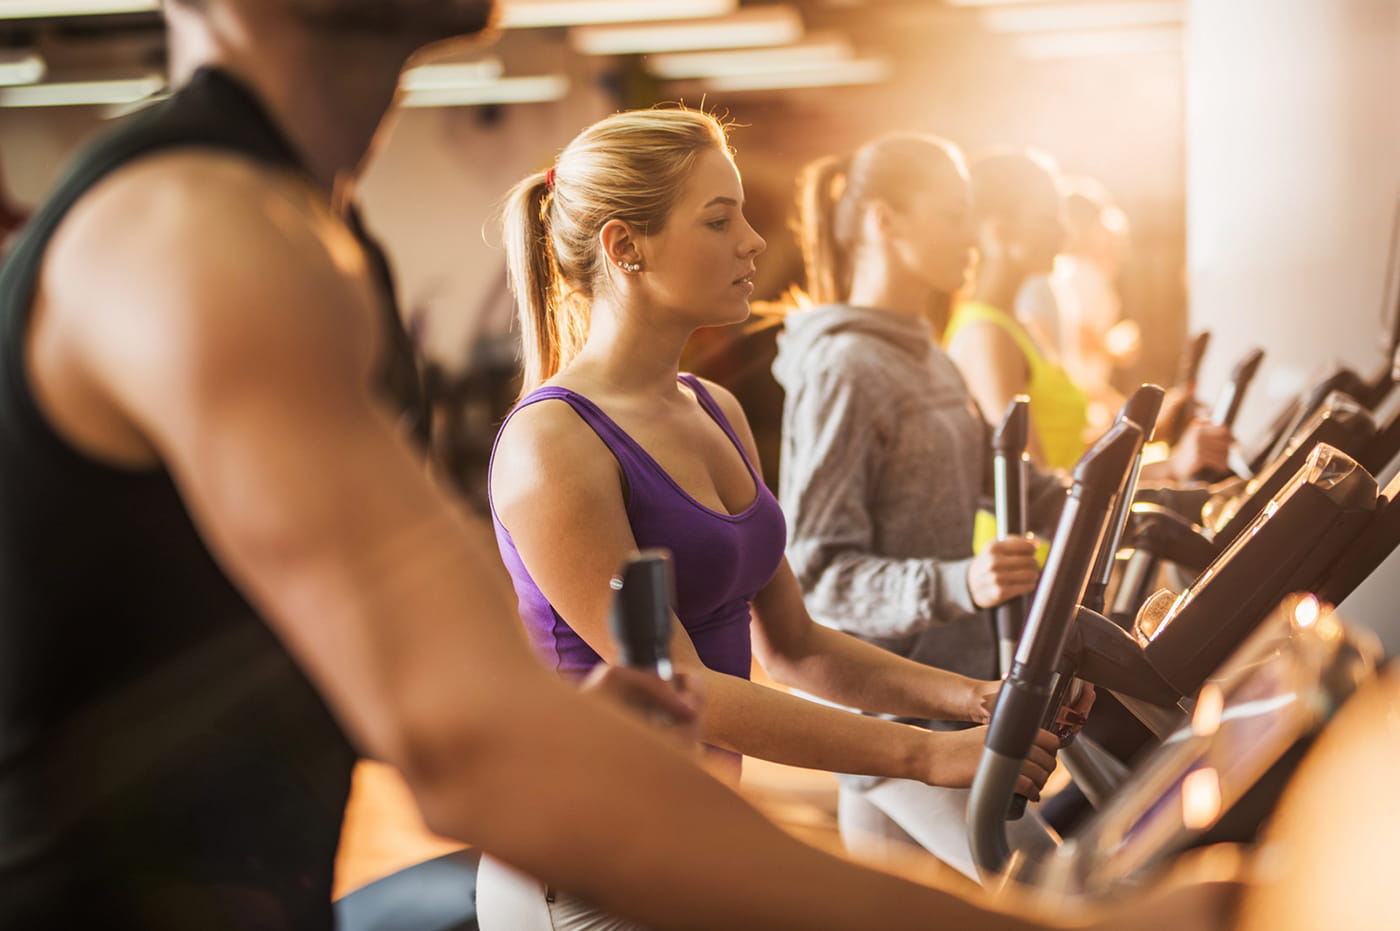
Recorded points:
(628, 354)
(874, 284)
(998, 286)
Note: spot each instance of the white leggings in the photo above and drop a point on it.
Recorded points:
(877, 822)
(508, 900)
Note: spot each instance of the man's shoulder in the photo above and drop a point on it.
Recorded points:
(188, 214)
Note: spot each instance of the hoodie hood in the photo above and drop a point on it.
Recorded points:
(804, 330)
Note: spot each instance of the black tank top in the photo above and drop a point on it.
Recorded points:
(163, 763)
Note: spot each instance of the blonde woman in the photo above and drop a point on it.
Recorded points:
(634, 239)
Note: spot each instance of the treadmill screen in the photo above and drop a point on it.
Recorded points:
(1206, 766)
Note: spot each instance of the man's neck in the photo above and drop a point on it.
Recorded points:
(328, 110)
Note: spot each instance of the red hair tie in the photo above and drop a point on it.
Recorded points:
(549, 178)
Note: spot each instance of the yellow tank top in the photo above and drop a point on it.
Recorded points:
(1059, 409)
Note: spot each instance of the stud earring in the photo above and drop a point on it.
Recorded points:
(629, 266)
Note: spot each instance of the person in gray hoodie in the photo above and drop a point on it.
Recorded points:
(886, 457)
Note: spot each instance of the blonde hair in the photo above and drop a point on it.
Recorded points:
(831, 192)
(629, 166)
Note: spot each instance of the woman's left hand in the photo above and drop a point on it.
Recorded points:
(982, 699)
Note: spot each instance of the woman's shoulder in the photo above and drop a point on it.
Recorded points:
(543, 434)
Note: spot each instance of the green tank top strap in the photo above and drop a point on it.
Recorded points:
(1059, 409)
(970, 312)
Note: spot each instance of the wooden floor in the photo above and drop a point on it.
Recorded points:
(383, 832)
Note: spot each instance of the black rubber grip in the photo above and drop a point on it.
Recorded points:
(641, 611)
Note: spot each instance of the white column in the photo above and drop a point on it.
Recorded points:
(1293, 176)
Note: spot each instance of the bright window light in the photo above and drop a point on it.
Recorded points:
(537, 89)
(30, 9)
(81, 93)
(752, 27)
(812, 51)
(517, 14)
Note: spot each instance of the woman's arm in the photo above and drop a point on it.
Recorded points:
(831, 448)
(802, 654)
(556, 488)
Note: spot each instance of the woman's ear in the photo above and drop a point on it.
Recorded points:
(620, 245)
(877, 221)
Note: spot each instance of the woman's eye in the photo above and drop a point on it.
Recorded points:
(720, 224)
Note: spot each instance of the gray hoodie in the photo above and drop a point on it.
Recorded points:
(884, 462)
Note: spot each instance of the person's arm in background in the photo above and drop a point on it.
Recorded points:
(1204, 448)
(831, 449)
(230, 337)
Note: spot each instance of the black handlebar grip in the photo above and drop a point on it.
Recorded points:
(1195, 350)
(1227, 407)
(1142, 408)
(1009, 480)
(641, 611)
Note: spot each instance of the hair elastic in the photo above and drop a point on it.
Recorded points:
(549, 178)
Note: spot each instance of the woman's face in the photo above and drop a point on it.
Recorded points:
(702, 262)
(934, 231)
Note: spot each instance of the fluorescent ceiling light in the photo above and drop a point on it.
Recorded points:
(33, 9)
(1099, 42)
(81, 93)
(856, 71)
(517, 14)
(501, 90)
(996, 2)
(451, 74)
(749, 28)
(1058, 16)
(21, 68)
(813, 51)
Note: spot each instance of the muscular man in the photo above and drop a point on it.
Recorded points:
(223, 567)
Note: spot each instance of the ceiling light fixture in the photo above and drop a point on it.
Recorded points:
(815, 50)
(21, 68)
(519, 14)
(451, 74)
(1061, 16)
(537, 89)
(997, 2)
(751, 27)
(36, 9)
(81, 93)
(837, 74)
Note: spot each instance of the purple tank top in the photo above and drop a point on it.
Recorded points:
(720, 560)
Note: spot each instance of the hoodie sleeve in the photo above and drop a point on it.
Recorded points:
(832, 452)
